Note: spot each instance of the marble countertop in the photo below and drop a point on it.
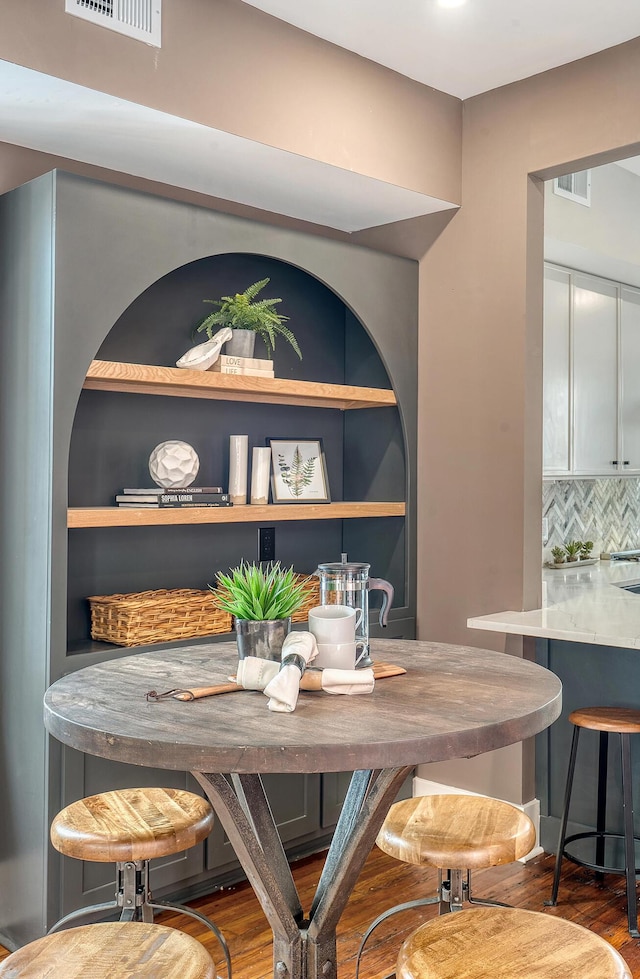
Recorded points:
(578, 605)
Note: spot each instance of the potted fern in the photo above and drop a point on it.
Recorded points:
(248, 317)
(262, 601)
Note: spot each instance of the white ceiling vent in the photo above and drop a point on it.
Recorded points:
(135, 18)
(575, 186)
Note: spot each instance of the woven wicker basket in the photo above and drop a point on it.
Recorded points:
(156, 616)
(313, 589)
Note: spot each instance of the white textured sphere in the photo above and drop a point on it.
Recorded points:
(174, 464)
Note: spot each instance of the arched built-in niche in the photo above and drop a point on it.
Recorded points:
(114, 433)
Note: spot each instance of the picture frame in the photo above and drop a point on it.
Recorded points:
(298, 471)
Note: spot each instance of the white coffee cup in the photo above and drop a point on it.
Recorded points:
(339, 655)
(334, 623)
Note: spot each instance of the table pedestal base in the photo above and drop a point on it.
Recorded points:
(303, 948)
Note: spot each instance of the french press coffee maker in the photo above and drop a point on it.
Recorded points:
(348, 583)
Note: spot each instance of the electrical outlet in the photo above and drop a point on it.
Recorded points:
(266, 543)
(545, 530)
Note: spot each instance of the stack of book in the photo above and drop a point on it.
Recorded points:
(226, 364)
(188, 496)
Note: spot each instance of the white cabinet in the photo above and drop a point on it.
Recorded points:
(595, 375)
(556, 423)
(630, 377)
(591, 367)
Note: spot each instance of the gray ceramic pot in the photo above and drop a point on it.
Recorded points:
(261, 637)
(241, 344)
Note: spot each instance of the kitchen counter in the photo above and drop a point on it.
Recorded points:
(578, 605)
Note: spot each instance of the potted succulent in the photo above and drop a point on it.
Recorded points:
(247, 317)
(585, 550)
(262, 601)
(572, 549)
(557, 553)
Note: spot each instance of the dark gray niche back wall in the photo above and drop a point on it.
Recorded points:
(113, 435)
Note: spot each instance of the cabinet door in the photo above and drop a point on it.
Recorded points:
(556, 420)
(295, 803)
(630, 373)
(595, 375)
(334, 790)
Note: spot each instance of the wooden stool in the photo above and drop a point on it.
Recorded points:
(484, 943)
(607, 720)
(129, 827)
(114, 950)
(455, 834)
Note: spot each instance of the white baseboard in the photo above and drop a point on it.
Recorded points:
(423, 786)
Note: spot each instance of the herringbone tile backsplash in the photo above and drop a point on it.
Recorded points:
(605, 511)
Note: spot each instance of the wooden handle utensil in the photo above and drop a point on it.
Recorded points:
(310, 680)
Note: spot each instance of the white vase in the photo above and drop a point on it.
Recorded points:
(238, 456)
(241, 344)
(260, 472)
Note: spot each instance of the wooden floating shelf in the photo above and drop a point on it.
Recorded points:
(174, 382)
(79, 517)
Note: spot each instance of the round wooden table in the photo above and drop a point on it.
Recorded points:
(453, 702)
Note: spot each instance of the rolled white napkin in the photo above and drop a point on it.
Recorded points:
(298, 650)
(254, 673)
(348, 681)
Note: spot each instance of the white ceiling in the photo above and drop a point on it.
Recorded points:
(469, 49)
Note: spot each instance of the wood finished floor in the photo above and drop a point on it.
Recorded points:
(385, 882)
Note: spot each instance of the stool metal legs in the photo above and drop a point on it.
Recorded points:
(454, 886)
(134, 898)
(601, 834)
(629, 847)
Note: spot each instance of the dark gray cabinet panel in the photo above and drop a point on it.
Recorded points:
(295, 803)
(92, 268)
(591, 675)
(403, 627)
(334, 790)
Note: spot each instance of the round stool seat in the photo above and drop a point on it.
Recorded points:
(127, 950)
(483, 943)
(131, 824)
(464, 832)
(619, 720)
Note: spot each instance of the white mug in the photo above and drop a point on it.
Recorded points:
(339, 655)
(334, 623)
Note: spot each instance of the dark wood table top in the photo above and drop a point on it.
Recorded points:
(453, 702)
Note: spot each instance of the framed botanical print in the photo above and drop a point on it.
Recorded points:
(298, 471)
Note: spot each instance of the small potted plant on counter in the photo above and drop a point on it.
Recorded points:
(572, 549)
(585, 550)
(247, 317)
(262, 601)
(572, 553)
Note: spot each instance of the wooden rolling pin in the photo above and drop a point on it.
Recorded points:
(310, 680)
